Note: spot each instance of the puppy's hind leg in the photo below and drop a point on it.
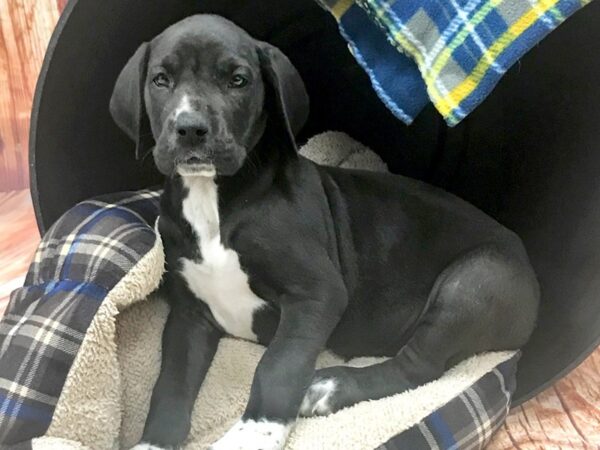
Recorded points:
(483, 301)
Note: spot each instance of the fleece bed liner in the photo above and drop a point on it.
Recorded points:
(80, 348)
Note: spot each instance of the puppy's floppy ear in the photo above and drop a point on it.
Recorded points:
(127, 105)
(285, 94)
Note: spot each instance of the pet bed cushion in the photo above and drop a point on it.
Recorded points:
(80, 348)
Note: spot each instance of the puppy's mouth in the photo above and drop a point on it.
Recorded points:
(191, 169)
(217, 158)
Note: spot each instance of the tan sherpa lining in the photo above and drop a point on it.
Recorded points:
(51, 443)
(107, 393)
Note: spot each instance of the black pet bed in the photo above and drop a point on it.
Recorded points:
(528, 155)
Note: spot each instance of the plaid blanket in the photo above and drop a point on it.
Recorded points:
(467, 422)
(81, 259)
(449, 52)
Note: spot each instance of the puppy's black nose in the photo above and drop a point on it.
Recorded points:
(191, 129)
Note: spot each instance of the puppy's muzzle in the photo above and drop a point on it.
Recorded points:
(191, 129)
(194, 162)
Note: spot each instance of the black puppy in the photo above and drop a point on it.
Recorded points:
(265, 245)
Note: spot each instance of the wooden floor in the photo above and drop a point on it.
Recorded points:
(25, 29)
(18, 241)
(566, 416)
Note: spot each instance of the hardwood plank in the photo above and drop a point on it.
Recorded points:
(25, 30)
(19, 239)
(566, 416)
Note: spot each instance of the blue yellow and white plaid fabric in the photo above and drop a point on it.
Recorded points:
(449, 52)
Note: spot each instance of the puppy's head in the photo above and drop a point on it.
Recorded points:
(201, 95)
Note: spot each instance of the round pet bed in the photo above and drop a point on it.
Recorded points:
(527, 156)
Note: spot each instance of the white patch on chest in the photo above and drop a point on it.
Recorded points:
(218, 279)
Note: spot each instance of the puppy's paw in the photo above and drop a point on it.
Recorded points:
(332, 389)
(252, 435)
(146, 446)
(318, 398)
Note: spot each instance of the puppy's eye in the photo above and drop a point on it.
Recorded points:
(161, 80)
(238, 81)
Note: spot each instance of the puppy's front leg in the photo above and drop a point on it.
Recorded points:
(286, 368)
(190, 341)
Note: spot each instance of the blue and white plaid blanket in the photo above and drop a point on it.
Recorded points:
(449, 52)
(79, 261)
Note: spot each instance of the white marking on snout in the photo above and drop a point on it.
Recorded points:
(218, 279)
(252, 435)
(184, 106)
(317, 400)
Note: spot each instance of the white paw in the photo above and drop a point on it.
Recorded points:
(252, 435)
(317, 401)
(146, 446)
